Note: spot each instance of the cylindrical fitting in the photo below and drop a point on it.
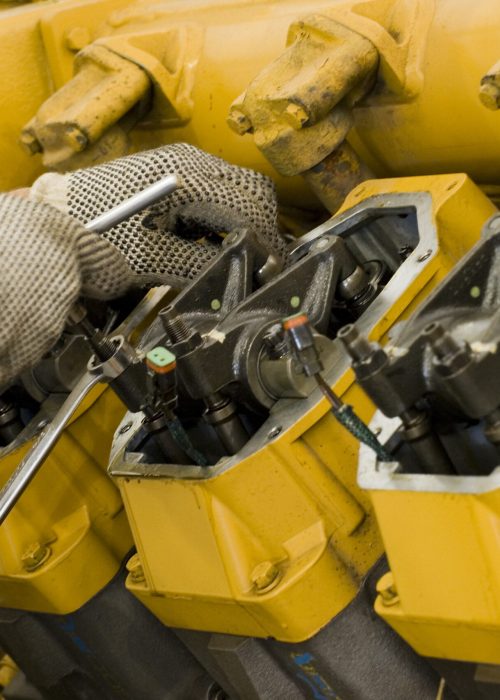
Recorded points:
(221, 414)
(126, 374)
(432, 456)
(451, 356)
(10, 423)
(299, 332)
(156, 425)
(336, 175)
(358, 347)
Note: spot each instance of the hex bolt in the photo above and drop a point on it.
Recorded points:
(238, 121)
(135, 570)
(35, 555)
(387, 591)
(405, 251)
(77, 38)
(76, 139)
(275, 342)
(358, 347)
(296, 115)
(442, 342)
(265, 576)
(30, 143)
(453, 357)
(489, 92)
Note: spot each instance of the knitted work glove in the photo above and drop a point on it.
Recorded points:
(46, 261)
(172, 240)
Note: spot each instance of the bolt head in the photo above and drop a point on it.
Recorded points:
(134, 567)
(238, 121)
(321, 243)
(77, 38)
(274, 432)
(30, 143)
(265, 576)
(386, 589)
(296, 116)
(35, 555)
(489, 94)
(75, 139)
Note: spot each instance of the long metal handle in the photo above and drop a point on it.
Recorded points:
(29, 466)
(135, 204)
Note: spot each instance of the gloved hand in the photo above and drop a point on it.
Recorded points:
(213, 197)
(47, 258)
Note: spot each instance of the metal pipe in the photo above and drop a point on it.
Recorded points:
(135, 204)
(222, 416)
(29, 466)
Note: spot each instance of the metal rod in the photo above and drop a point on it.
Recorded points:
(135, 204)
(29, 466)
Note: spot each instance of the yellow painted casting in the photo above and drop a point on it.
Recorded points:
(278, 543)
(424, 115)
(443, 553)
(67, 536)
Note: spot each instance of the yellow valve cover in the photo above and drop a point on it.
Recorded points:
(443, 592)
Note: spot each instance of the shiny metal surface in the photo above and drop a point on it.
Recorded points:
(134, 204)
(29, 466)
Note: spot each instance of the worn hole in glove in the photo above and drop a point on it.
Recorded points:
(163, 243)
